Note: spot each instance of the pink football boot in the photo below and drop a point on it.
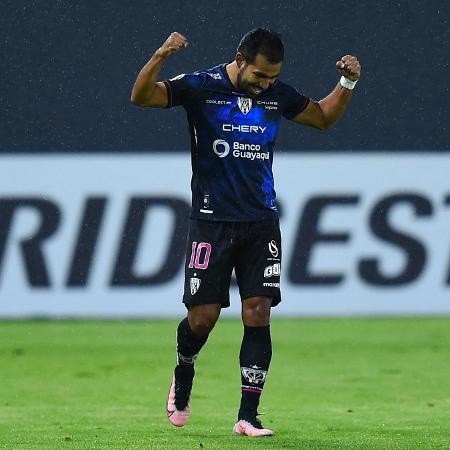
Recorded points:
(177, 417)
(251, 427)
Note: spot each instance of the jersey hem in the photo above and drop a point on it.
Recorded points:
(234, 219)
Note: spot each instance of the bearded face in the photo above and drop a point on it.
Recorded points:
(256, 77)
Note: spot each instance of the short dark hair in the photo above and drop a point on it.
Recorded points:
(264, 41)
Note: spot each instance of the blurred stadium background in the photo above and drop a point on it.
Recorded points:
(94, 201)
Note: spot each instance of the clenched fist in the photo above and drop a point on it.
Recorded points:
(173, 44)
(349, 67)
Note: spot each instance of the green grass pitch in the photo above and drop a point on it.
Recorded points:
(333, 384)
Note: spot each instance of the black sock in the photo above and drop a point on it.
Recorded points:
(189, 344)
(254, 358)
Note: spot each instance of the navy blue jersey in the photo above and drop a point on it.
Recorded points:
(232, 141)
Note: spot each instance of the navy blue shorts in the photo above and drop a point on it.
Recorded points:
(214, 249)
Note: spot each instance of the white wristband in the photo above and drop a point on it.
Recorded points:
(347, 83)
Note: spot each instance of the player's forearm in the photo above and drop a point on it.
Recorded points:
(334, 105)
(145, 83)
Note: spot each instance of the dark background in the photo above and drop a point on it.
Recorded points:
(67, 70)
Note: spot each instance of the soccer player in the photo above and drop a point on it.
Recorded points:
(233, 111)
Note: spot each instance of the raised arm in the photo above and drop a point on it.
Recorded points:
(147, 91)
(326, 112)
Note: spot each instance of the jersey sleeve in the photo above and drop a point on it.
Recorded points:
(183, 89)
(295, 102)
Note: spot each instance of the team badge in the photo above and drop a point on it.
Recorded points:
(253, 374)
(245, 104)
(195, 284)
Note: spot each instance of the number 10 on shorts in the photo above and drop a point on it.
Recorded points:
(197, 254)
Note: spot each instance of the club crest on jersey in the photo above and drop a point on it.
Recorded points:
(245, 104)
(195, 284)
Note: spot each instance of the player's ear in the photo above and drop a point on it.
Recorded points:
(240, 60)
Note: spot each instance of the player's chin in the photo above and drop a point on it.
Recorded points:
(254, 90)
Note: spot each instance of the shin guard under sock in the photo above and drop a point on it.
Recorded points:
(254, 358)
(189, 344)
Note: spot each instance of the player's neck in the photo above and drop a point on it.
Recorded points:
(233, 71)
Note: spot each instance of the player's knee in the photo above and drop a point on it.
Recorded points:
(202, 325)
(256, 311)
(202, 318)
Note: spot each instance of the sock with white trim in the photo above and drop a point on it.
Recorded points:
(189, 344)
